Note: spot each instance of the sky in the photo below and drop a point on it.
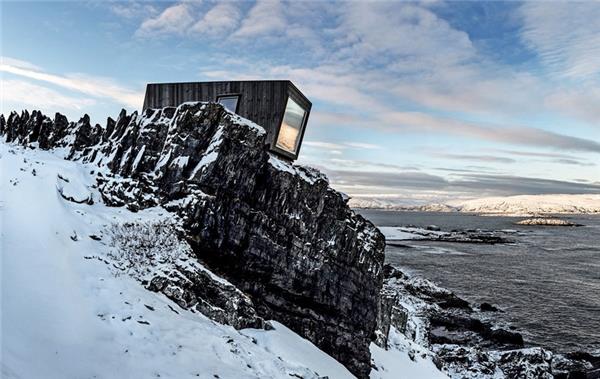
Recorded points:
(412, 102)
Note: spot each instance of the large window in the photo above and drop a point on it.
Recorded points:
(230, 102)
(291, 127)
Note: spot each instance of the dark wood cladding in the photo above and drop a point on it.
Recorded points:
(261, 101)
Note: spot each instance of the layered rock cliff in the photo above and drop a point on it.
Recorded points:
(276, 231)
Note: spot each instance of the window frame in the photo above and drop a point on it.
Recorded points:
(225, 95)
(299, 103)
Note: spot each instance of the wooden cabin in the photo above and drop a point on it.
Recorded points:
(276, 105)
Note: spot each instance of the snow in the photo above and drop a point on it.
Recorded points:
(295, 349)
(244, 121)
(74, 186)
(524, 205)
(393, 233)
(163, 161)
(211, 153)
(517, 206)
(138, 158)
(302, 172)
(65, 314)
(397, 362)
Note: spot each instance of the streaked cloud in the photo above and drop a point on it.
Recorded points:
(39, 97)
(360, 183)
(341, 145)
(89, 85)
(516, 135)
(565, 35)
(474, 157)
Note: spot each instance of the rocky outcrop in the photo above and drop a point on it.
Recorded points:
(155, 254)
(465, 343)
(276, 231)
(546, 221)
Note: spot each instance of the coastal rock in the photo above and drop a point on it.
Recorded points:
(465, 344)
(433, 233)
(487, 307)
(274, 230)
(544, 221)
(462, 362)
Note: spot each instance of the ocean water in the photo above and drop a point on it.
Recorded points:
(547, 282)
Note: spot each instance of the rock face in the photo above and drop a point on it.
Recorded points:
(277, 231)
(155, 254)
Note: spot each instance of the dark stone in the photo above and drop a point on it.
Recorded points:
(277, 231)
(487, 307)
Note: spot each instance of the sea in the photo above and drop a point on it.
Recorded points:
(547, 281)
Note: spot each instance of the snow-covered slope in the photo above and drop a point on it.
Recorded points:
(65, 314)
(531, 204)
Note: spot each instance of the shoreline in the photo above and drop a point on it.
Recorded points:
(466, 340)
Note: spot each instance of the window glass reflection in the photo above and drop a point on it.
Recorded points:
(291, 127)
(229, 102)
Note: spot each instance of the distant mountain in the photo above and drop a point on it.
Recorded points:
(521, 205)
(531, 204)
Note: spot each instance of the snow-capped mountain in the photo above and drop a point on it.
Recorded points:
(531, 204)
(519, 205)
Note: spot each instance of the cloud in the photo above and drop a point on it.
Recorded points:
(265, 17)
(557, 157)
(22, 92)
(133, 9)
(341, 146)
(566, 36)
(18, 63)
(473, 157)
(515, 185)
(536, 154)
(219, 20)
(392, 33)
(89, 85)
(407, 184)
(402, 180)
(175, 19)
(423, 122)
(574, 162)
(362, 145)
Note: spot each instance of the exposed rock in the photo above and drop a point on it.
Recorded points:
(276, 231)
(532, 363)
(433, 233)
(197, 289)
(546, 221)
(466, 344)
(487, 307)
(155, 255)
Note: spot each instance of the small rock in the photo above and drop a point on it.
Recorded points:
(487, 307)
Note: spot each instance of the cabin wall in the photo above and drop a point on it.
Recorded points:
(261, 101)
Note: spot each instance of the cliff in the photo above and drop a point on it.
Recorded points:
(289, 243)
